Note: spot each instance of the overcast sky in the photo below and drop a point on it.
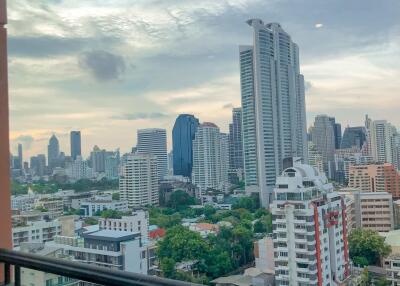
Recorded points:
(109, 67)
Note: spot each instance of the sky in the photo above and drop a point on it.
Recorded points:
(110, 67)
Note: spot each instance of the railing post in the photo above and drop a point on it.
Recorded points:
(17, 275)
(7, 273)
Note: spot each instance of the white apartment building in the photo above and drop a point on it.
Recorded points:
(79, 169)
(309, 229)
(138, 182)
(118, 250)
(23, 203)
(382, 142)
(37, 231)
(274, 120)
(315, 157)
(137, 222)
(89, 208)
(154, 141)
(210, 158)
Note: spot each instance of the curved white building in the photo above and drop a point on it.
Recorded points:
(309, 229)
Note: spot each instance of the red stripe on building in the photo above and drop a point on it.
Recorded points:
(346, 247)
(318, 245)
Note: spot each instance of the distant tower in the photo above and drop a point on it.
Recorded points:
(210, 158)
(53, 152)
(236, 140)
(182, 137)
(20, 157)
(75, 137)
(138, 180)
(154, 141)
(273, 103)
(323, 137)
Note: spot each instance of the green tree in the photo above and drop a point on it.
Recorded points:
(260, 227)
(248, 203)
(209, 211)
(111, 214)
(115, 196)
(180, 200)
(181, 244)
(91, 221)
(382, 281)
(167, 266)
(368, 244)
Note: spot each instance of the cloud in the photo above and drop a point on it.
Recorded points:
(138, 116)
(25, 140)
(228, 106)
(43, 46)
(319, 25)
(103, 65)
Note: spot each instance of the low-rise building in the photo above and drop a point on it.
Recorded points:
(204, 229)
(23, 203)
(89, 208)
(138, 221)
(38, 231)
(392, 267)
(54, 206)
(372, 210)
(118, 250)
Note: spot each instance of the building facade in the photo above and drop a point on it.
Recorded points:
(353, 136)
(138, 180)
(236, 141)
(375, 178)
(154, 141)
(53, 152)
(210, 158)
(309, 229)
(75, 141)
(323, 137)
(182, 139)
(274, 121)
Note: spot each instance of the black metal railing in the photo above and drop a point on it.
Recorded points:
(83, 272)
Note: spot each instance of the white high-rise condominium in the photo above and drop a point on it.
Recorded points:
(154, 141)
(383, 142)
(274, 120)
(309, 229)
(210, 158)
(138, 182)
(323, 137)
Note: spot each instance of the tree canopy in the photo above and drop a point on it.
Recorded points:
(367, 246)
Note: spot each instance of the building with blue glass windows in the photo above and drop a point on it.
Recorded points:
(183, 135)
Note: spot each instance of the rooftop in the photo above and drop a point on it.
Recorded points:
(111, 235)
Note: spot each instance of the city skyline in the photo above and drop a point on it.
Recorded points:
(69, 89)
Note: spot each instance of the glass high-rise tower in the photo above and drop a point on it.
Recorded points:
(182, 139)
(75, 144)
(274, 119)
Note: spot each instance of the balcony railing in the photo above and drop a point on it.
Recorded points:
(81, 272)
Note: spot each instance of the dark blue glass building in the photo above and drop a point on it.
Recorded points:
(182, 136)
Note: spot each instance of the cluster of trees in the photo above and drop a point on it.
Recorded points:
(366, 247)
(215, 256)
(43, 187)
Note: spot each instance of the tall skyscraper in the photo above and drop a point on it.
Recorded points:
(75, 137)
(274, 120)
(182, 138)
(382, 142)
(309, 229)
(98, 159)
(20, 157)
(154, 141)
(53, 152)
(236, 141)
(138, 180)
(210, 158)
(323, 137)
(353, 136)
(337, 131)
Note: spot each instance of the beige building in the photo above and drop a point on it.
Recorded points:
(54, 206)
(392, 262)
(369, 210)
(375, 178)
